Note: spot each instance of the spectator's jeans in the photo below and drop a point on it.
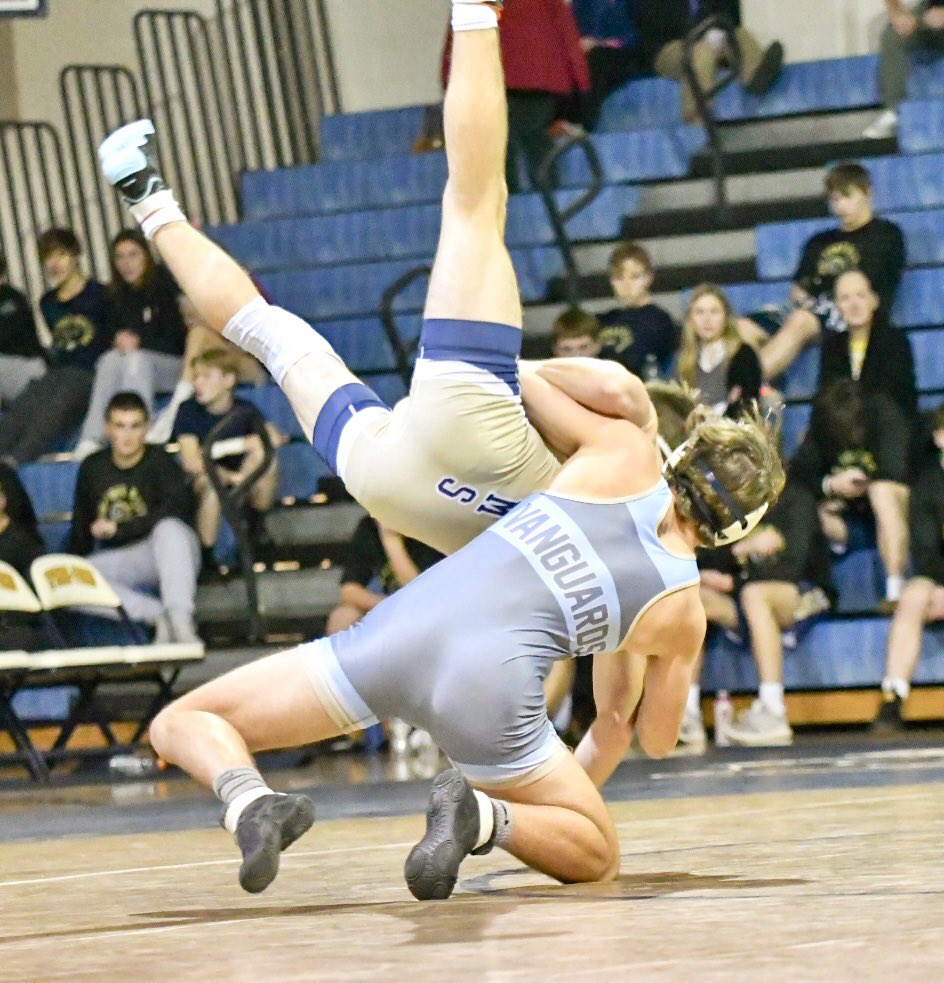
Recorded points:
(143, 372)
(895, 61)
(46, 409)
(167, 560)
(16, 373)
(670, 63)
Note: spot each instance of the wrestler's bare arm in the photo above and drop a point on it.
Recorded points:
(563, 423)
(617, 688)
(648, 693)
(677, 634)
(602, 386)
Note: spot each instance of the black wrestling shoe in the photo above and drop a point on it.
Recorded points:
(452, 829)
(268, 826)
(888, 721)
(129, 162)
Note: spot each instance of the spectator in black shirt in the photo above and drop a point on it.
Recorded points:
(713, 358)
(75, 312)
(638, 333)
(861, 242)
(920, 30)
(663, 26)
(922, 600)
(214, 381)
(855, 459)
(19, 507)
(377, 563)
(21, 354)
(133, 517)
(19, 546)
(148, 332)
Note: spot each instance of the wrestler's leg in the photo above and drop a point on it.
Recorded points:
(299, 359)
(561, 826)
(213, 731)
(473, 279)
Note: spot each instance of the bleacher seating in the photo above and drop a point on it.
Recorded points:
(328, 239)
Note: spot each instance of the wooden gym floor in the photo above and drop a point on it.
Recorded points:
(819, 862)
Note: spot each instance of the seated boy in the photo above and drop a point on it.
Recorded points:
(862, 241)
(638, 333)
(214, 382)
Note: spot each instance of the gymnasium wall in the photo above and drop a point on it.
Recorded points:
(387, 51)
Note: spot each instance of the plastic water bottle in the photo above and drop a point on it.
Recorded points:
(132, 765)
(724, 717)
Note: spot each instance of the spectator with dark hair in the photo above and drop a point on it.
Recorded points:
(377, 562)
(21, 354)
(133, 518)
(713, 358)
(856, 455)
(148, 332)
(75, 310)
(214, 382)
(920, 30)
(19, 546)
(663, 26)
(576, 333)
(922, 600)
(862, 241)
(611, 42)
(640, 334)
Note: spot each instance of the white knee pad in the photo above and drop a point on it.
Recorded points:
(276, 337)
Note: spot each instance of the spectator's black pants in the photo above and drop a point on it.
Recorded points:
(48, 407)
(529, 116)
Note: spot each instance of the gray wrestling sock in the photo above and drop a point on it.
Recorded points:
(236, 788)
(504, 823)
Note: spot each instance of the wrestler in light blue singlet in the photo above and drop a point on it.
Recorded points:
(464, 649)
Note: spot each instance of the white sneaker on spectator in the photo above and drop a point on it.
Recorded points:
(84, 448)
(185, 631)
(692, 735)
(883, 127)
(759, 726)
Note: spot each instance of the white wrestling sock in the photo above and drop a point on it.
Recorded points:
(156, 211)
(274, 336)
(771, 695)
(895, 684)
(473, 15)
(486, 818)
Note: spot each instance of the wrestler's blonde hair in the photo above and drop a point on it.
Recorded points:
(675, 402)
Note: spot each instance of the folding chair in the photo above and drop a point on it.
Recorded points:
(17, 596)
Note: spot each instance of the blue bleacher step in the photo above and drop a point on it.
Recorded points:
(921, 125)
(379, 133)
(780, 244)
(835, 653)
(330, 293)
(644, 155)
(411, 231)
(906, 182)
(807, 87)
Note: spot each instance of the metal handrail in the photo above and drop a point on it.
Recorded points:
(232, 503)
(704, 98)
(401, 351)
(559, 217)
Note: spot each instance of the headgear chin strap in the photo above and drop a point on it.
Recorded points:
(743, 524)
